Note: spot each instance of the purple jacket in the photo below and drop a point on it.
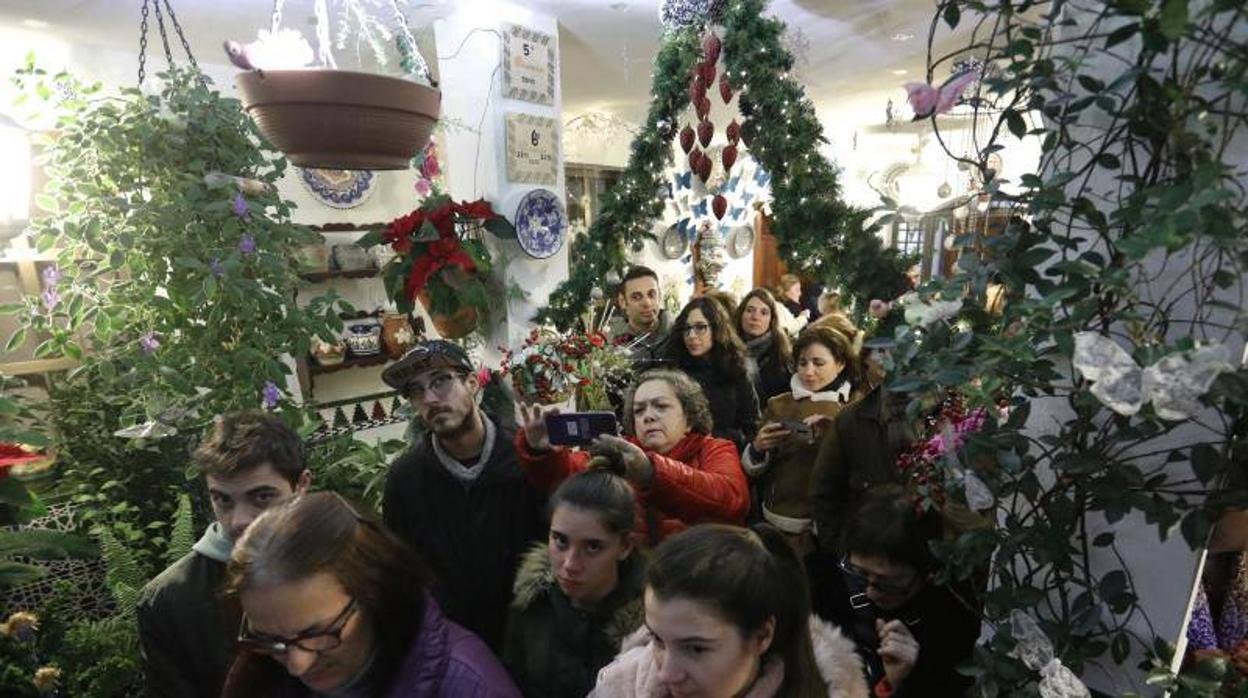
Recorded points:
(447, 661)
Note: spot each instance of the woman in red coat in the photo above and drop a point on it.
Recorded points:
(681, 474)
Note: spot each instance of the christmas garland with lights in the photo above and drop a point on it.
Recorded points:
(817, 232)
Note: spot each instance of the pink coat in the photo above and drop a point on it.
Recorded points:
(635, 674)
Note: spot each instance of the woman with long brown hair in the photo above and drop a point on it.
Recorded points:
(768, 350)
(706, 347)
(334, 604)
(727, 616)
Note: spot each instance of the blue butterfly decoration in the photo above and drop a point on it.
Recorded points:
(684, 181)
(746, 198)
(732, 183)
(683, 226)
(735, 213)
(685, 260)
(700, 208)
(762, 178)
(723, 230)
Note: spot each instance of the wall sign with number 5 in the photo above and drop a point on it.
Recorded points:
(528, 65)
(532, 149)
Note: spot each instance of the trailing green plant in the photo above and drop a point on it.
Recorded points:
(172, 285)
(819, 234)
(354, 468)
(1107, 374)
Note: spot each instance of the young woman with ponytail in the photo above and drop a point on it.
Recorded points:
(728, 616)
(578, 595)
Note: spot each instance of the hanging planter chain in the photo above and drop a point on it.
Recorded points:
(164, 38)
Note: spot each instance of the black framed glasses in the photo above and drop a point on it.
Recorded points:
(696, 328)
(317, 641)
(865, 578)
(439, 386)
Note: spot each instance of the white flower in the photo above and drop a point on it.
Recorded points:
(1174, 384)
(1032, 647)
(922, 313)
(1058, 681)
(284, 50)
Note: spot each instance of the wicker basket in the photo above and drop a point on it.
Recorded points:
(340, 119)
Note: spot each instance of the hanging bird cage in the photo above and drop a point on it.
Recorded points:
(344, 120)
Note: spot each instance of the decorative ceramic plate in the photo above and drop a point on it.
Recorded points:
(741, 241)
(673, 243)
(541, 223)
(338, 188)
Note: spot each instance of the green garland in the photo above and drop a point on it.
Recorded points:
(818, 233)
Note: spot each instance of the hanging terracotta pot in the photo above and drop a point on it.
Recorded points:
(340, 119)
(463, 322)
(396, 334)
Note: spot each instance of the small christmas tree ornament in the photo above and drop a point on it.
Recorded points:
(706, 131)
(686, 138)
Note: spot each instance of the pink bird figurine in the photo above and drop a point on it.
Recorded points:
(927, 101)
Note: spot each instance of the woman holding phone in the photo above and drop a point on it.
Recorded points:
(681, 474)
(780, 456)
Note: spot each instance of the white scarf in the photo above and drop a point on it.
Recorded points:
(800, 392)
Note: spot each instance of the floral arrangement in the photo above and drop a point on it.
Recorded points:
(549, 367)
(947, 430)
(440, 258)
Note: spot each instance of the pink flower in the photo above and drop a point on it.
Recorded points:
(483, 376)
(424, 186)
(430, 168)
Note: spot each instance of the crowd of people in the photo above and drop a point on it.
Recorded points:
(747, 535)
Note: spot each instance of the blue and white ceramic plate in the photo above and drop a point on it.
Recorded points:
(338, 188)
(541, 223)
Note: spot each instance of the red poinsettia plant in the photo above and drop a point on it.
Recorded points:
(440, 258)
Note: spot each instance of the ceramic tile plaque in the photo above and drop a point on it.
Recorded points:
(528, 65)
(532, 149)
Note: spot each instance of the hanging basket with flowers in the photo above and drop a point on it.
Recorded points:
(323, 117)
(441, 261)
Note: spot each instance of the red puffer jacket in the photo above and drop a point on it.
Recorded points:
(699, 481)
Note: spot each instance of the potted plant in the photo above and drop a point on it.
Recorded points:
(336, 119)
(441, 261)
(549, 367)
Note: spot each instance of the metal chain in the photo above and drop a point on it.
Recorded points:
(143, 45)
(164, 38)
(186, 46)
(276, 21)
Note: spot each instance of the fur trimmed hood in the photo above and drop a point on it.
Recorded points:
(535, 578)
(634, 674)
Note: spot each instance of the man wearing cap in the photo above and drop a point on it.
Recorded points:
(458, 495)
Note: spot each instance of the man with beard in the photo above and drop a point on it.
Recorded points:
(458, 495)
(643, 324)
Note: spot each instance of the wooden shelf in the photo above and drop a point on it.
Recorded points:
(350, 362)
(316, 276)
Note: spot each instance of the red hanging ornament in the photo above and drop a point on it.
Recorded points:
(703, 107)
(728, 157)
(725, 88)
(747, 134)
(697, 89)
(706, 131)
(686, 138)
(704, 167)
(707, 70)
(711, 46)
(719, 205)
(695, 156)
(733, 132)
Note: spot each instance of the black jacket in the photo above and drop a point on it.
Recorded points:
(734, 405)
(470, 534)
(186, 631)
(944, 627)
(554, 650)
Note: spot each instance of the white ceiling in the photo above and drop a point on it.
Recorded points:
(607, 46)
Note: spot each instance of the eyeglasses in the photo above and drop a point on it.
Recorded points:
(697, 328)
(439, 386)
(317, 641)
(865, 578)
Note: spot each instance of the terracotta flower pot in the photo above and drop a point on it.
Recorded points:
(454, 326)
(396, 334)
(340, 119)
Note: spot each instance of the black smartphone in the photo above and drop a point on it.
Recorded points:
(801, 430)
(580, 428)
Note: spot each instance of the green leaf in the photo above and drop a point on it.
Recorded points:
(1173, 18)
(1206, 462)
(15, 573)
(952, 15)
(1015, 122)
(47, 203)
(17, 339)
(44, 545)
(369, 239)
